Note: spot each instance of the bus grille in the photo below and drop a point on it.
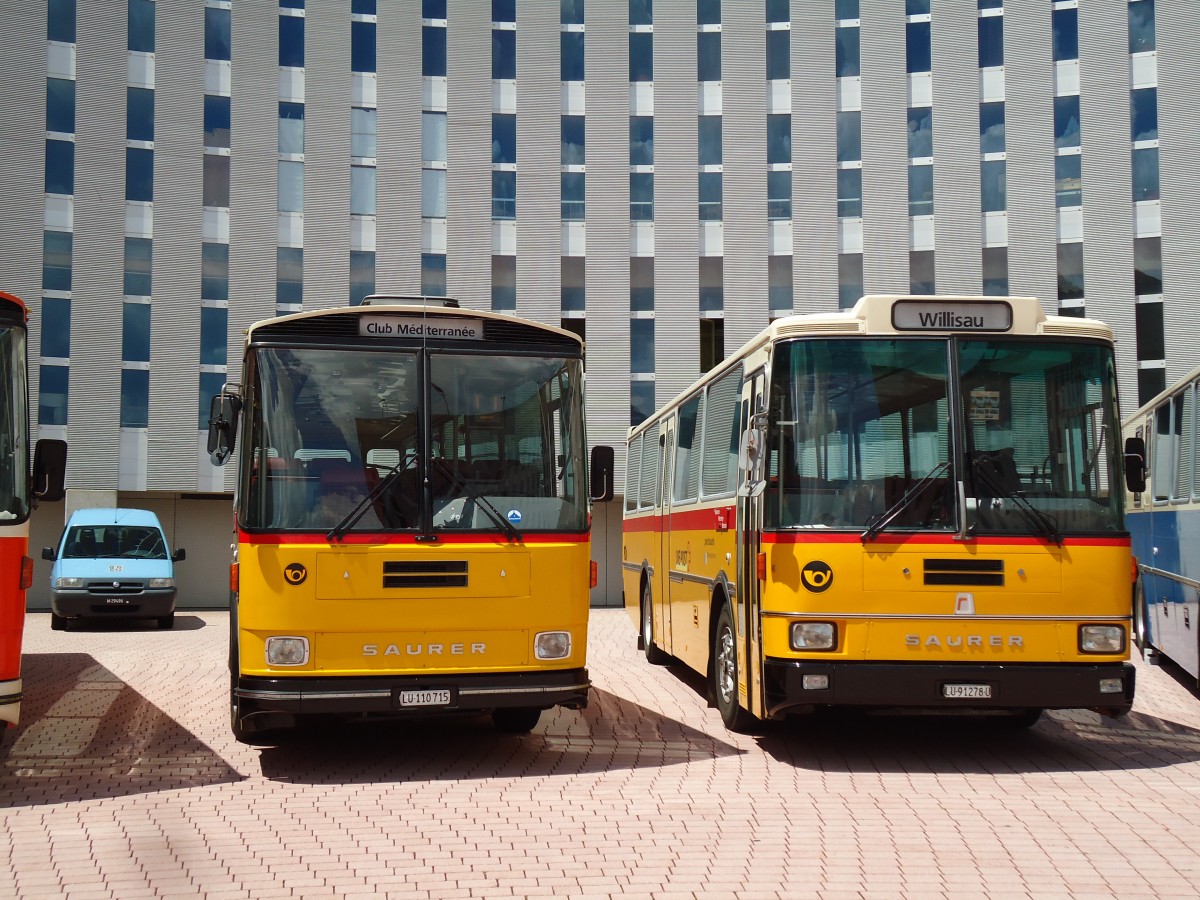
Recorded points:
(965, 572)
(425, 574)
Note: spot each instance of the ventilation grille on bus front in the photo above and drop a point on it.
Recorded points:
(965, 572)
(425, 574)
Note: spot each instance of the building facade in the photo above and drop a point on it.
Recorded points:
(661, 176)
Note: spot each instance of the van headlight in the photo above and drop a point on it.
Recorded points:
(813, 636)
(1101, 639)
(287, 651)
(67, 584)
(552, 644)
(161, 583)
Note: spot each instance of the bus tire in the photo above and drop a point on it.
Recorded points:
(516, 719)
(1022, 718)
(654, 656)
(725, 675)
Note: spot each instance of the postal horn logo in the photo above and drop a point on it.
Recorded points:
(295, 573)
(816, 576)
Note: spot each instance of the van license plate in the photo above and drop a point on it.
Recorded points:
(967, 691)
(117, 601)
(425, 698)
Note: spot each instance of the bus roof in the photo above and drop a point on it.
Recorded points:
(1172, 388)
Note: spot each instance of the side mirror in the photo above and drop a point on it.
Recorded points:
(1135, 464)
(49, 470)
(48, 553)
(601, 469)
(179, 555)
(222, 426)
(751, 453)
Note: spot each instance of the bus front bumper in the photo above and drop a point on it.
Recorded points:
(916, 686)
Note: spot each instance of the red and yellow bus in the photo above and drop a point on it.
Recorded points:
(413, 515)
(17, 495)
(915, 504)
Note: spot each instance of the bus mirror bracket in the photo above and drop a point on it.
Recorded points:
(222, 425)
(49, 470)
(602, 465)
(1135, 464)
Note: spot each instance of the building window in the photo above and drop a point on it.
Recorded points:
(56, 342)
(849, 185)
(1066, 121)
(571, 12)
(641, 402)
(1141, 26)
(641, 346)
(139, 114)
(60, 167)
(779, 195)
(571, 55)
(291, 41)
(708, 133)
(216, 180)
(433, 137)
(216, 33)
(641, 56)
(846, 57)
(291, 186)
(135, 398)
(850, 279)
(849, 136)
(779, 11)
(504, 53)
(1068, 179)
(572, 196)
(641, 197)
(433, 193)
(214, 271)
(362, 275)
(779, 285)
(1147, 260)
(641, 12)
(214, 330)
(433, 274)
(779, 54)
(918, 47)
(60, 22)
(504, 283)
(708, 56)
(135, 332)
(433, 51)
(289, 275)
(712, 284)
(504, 138)
(995, 271)
(362, 190)
(60, 105)
(140, 22)
(708, 12)
(433, 9)
(709, 191)
(712, 343)
(1070, 272)
(216, 122)
(991, 41)
(291, 128)
(139, 254)
(1145, 174)
(920, 131)
(991, 127)
(362, 132)
(53, 385)
(641, 140)
(920, 190)
(641, 283)
(921, 279)
(139, 174)
(56, 262)
(572, 283)
(992, 185)
(362, 46)
(573, 141)
(1151, 341)
(779, 138)
(845, 9)
(504, 195)
(1065, 43)
(1144, 114)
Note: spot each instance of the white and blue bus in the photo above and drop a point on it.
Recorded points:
(1164, 522)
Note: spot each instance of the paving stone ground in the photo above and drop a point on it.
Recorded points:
(123, 781)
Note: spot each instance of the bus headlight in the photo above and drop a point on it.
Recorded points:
(1101, 639)
(813, 636)
(68, 583)
(552, 644)
(161, 583)
(287, 651)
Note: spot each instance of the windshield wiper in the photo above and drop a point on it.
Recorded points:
(1044, 524)
(506, 526)
(878, 523)
(351, 518)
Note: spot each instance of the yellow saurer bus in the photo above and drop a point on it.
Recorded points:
(914, 504)
(412, 513)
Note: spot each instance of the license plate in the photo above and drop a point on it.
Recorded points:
(117, 601)
(967, 691)
(425, 698)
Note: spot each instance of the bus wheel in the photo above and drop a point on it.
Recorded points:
(1021, 718)
(654, 656)
(516, 719)
(725, 675)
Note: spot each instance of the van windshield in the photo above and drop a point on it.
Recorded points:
(114, 542)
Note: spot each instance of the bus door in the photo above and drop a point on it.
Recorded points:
(665, 561)
(751, 472)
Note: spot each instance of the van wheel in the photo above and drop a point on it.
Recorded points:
(166, 623)
(516, 719)
(57, 622)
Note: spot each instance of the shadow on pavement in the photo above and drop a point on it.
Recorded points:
(85, 734)
(612, 733)
(183, 622)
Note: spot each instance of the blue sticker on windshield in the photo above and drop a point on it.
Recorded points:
(514, 516)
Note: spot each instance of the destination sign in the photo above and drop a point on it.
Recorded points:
(431, 327)
(926, 315)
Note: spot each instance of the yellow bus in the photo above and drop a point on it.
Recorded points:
(412, 512)
(911, 505)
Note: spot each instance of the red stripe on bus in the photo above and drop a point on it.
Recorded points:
(321, 537)
(821, 537)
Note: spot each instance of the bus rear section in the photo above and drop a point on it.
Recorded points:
(413, 519)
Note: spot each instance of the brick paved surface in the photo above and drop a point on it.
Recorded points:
(123, 781)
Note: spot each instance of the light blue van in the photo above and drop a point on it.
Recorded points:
(112, 563)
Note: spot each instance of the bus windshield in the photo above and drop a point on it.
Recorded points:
(863, 431)
(391, 440)
(14, 461)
